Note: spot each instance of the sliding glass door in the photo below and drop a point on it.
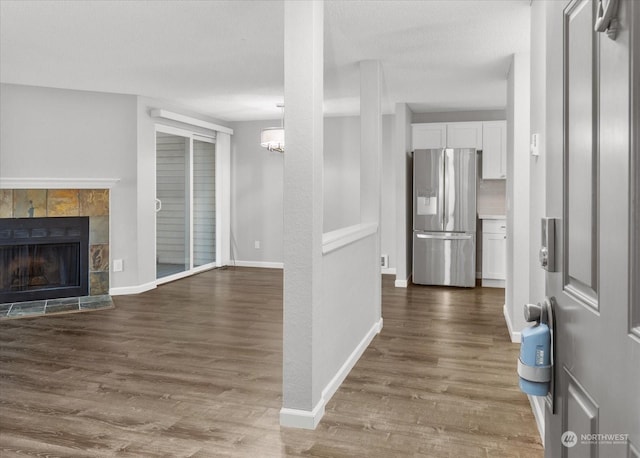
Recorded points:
(186, 239)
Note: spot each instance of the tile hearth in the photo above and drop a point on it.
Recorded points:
(30, 309)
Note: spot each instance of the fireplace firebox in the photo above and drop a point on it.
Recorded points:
(43, 258)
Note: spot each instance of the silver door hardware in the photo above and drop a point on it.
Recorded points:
(548, 248)
(158, 205)
(537, 352)
(606, 20)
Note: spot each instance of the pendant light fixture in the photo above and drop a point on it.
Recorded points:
(272, 138)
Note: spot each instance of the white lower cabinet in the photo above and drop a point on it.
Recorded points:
(494, 252)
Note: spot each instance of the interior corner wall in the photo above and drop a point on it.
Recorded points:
(60, 133)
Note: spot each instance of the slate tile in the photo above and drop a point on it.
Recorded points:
(6, 203)
(94, 202)
(99, 258)
(62, 202)
(29, 203)
(98, 229)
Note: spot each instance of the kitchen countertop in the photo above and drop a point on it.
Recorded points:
(487, 216)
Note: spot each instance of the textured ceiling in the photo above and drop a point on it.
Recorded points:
(225, 58)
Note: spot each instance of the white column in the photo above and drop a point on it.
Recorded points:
(371, 157)
(303, 209)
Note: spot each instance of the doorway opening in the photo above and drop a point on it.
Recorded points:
(187, 210)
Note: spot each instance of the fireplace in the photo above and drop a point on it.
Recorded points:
(43, 258)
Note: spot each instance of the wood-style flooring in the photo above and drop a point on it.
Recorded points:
(193, 369)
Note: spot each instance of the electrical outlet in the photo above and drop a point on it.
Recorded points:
(256, 244)
(118, 265)
(384, 261)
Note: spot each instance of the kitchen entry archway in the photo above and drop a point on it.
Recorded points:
(187, 204)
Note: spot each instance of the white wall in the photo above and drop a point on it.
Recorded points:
(518, 267)
(59, 133)
(460, 116)
(403, 184)
(537, 171)
(257, 187)
(341, 174)
(256, 195)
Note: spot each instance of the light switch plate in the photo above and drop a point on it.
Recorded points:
(535, 144)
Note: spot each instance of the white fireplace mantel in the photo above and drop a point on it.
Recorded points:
(58, 183)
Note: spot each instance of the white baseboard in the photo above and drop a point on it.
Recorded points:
(389, 270)
(124, 290)
(490, 283)
(304, 419)
(263, 264)
(537, 405)
(402, 283)
(515, 335)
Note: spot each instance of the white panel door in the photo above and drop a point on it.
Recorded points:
(592, 106)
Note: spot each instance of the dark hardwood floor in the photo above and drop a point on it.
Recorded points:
(193, 368)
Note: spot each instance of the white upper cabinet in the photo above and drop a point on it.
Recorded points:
(488, 136)
(494, 150)
(464, 135)
(427, 136)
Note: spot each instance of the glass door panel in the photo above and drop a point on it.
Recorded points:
(172, 204)
(204, 203)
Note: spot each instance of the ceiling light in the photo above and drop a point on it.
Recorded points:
(272, 138)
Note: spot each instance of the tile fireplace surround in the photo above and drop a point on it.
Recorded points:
(94, 203)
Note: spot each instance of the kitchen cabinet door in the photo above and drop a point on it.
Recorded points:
(464, 135)
(428, 135)
(494, 256)
(494, 150)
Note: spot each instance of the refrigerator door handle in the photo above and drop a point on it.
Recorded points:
(445, 206)
(445, 237)
(441, 189)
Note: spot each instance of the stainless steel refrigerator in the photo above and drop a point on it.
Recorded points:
(444, 217)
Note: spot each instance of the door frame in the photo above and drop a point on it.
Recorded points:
(220, 202)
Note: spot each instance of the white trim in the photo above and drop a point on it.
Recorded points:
(333, 240)
(402, 283)
(262, 264)
(124, 290)
(389, 270)
(492, 283)
(58, 183)
(296, 418)
(515, 335)
(351, 361)
(537, 406)
(302, 419)
(165, 114)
